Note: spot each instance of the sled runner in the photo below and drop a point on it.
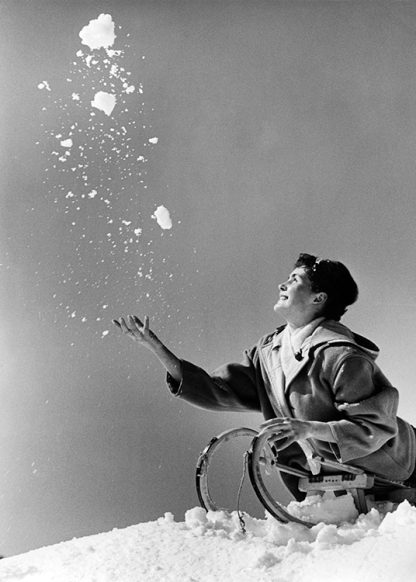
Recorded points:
(262, 464)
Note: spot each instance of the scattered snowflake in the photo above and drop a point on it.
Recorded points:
(44, 85)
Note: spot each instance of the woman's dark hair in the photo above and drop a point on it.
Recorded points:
(332, 278)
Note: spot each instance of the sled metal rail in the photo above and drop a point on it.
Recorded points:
(201, 476)
(340, 477)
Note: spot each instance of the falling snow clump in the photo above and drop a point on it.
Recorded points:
(99, 33)
(104, 101)
(162, 217)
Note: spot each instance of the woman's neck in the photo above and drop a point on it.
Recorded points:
(301, 322)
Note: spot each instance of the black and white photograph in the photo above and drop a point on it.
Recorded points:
(207, 299)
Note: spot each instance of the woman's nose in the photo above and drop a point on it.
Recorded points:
(282, 286)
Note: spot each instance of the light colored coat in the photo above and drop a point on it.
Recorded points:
(337, 381)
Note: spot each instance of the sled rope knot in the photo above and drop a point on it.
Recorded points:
(240, 488)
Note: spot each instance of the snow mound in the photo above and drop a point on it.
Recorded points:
(211, 547)
(326, 508)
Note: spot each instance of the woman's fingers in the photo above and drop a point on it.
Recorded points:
(275, 421)
(134, 325)
(277, 425)
(123, 325)
(289, 427)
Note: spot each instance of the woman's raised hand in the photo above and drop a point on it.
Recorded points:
(140, 332)
(137, 331)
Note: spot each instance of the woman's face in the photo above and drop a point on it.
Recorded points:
(296, 298)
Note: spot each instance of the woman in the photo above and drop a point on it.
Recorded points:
(315, 381)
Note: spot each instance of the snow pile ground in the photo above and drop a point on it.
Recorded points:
(212, 547)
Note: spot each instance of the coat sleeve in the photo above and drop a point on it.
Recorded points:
(232, 387)
(367, 405)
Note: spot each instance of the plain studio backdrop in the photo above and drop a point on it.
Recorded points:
(281, 127)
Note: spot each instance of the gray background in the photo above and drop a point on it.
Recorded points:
(283, 127)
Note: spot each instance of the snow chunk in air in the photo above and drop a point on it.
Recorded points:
(99, 33)
(67, 143)
(162, 216)
(44, 85)
(104, 101)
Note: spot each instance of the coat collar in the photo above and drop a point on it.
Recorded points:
(329, 332)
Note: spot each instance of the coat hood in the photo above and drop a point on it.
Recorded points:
(331, 332)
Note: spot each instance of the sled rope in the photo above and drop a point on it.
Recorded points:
(240, 488)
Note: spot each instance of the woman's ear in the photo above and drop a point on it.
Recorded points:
(321, 297)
